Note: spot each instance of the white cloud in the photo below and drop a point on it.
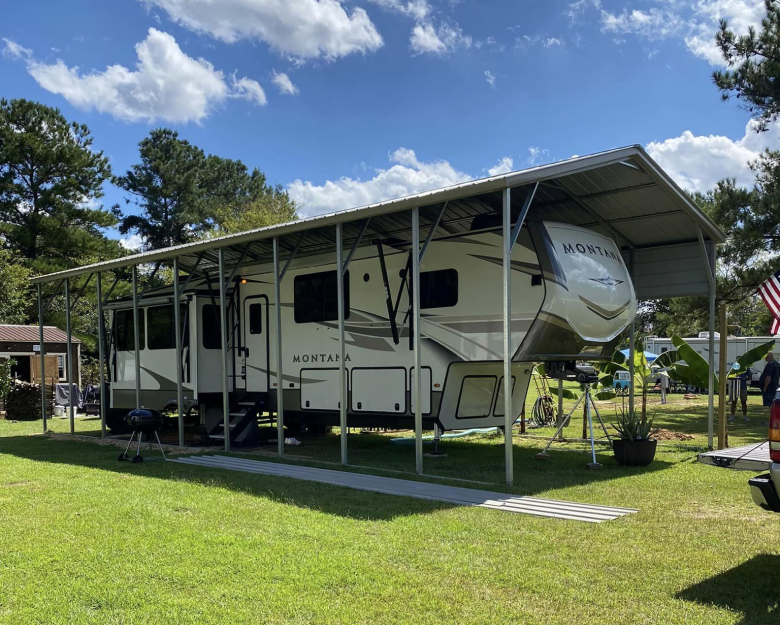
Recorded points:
(418, 9)
(651, 24)
(166, 84)
(504, 166)
(132, 243)
(552, 42)
(248, 89)
(12, 50)
(406, 176)
(490, 77)
(303, 29)
(535, 154)
(283, 82)
(740, 14)
(427, 39)
(693, 21)
(698, 162)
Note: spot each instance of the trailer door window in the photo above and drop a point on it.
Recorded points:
(159, 320)
(316, 298)
(255, 319)
(438, 289)
(125, 331)
(211, 327)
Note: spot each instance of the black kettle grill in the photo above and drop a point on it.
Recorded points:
(142, 421)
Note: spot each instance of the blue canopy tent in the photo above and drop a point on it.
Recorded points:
(649, 356)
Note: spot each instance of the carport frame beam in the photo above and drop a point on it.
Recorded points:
(42, 352)
(510, 236)
(279, 372)
(343, 389)
(136, 338)
(416, 260)
(69, 358)
(710, 260)
(223, 350)
(101, 355)
(177, 325)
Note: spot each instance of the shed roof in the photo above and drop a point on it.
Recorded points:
(30, 334)
(621, 193)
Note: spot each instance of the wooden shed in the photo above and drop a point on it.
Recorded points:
(22, 343)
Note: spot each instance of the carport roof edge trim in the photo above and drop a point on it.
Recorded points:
(466, 189)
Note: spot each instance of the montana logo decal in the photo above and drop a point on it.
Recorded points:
(595, 250)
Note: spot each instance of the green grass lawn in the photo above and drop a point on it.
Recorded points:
(85, 539)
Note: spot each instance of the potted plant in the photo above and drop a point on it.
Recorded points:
(634, 445)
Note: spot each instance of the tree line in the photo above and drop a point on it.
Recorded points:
(52, 179)
(51, 184)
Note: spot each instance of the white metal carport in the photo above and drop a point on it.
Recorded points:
(667, 241)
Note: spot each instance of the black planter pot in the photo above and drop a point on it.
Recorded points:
(634, 453)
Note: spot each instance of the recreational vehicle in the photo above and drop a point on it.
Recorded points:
(572, 298)
(737, 346)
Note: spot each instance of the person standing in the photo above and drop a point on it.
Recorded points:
(769, 379)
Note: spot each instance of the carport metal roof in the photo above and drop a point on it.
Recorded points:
(621, 193)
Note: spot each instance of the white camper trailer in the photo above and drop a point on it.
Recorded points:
(571, 300)
(510, 270)
(737, 346)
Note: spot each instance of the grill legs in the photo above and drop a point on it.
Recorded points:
(138, 457)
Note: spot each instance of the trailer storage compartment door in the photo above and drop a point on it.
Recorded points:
(379, 390)
(320, 389)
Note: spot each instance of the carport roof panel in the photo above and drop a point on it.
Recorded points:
(622, 193)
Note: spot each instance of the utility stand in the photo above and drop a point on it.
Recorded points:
(589, 407)
(436, 438)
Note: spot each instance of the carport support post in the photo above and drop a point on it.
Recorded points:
(342, 351)
(722, 374)
(177, 326)
(418, 441)
(631, 350)
(136, 339)
(711, 397)
(279, 382)
(101, 355)
(507, 279)
(223, 350)
(69, 358)
(42, 352)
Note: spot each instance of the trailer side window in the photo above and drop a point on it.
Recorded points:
(316, 297)
(255, 319)
(159, 320)
(439, 289)
(211, 327)
(125, 331)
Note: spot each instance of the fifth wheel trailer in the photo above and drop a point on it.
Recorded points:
(572, 299)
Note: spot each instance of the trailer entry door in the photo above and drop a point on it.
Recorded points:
(256, 343)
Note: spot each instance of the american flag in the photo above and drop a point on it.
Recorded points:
(770, 293)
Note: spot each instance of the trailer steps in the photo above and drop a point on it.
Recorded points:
(243, 414)
(454, 495)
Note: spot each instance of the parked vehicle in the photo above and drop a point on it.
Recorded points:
(764, 488)
(572, 298)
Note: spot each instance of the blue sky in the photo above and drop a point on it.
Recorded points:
(361, 100)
